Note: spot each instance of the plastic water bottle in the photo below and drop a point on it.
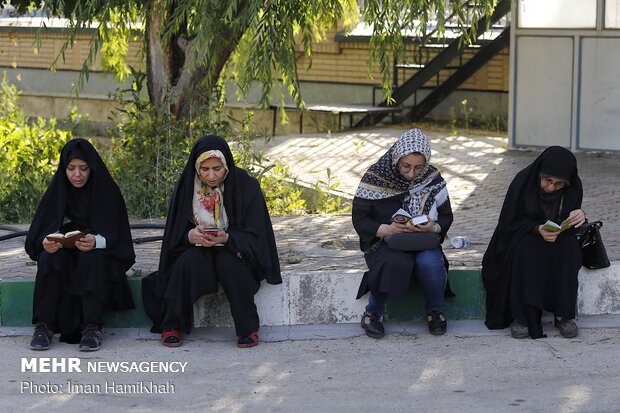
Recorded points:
(460, 242)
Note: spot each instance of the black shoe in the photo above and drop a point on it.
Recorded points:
(437, 323)
(518, 330)
(91, 338)
(371, 323)
(568, 328)
(42, 337)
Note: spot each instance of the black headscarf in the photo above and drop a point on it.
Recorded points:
(98, 207)
(249, 224)
(524, 208)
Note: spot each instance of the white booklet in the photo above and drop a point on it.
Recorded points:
(404, 217)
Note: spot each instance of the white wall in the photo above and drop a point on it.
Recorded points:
(543, 93)
(599, 103)
(565, 82)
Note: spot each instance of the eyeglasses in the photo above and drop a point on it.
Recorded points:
(405, 168)
(556, 184)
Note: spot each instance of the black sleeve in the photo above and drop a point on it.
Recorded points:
(184, 240)
(252, 235)
(364, 222)
(445, 218)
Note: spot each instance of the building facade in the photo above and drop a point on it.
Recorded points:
(565, 85)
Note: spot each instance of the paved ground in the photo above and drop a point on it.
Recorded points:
(334, 368)
(329, 369)
(478, 169)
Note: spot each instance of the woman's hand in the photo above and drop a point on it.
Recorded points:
(195, 236)
(548, 236)
(199, 238)
(51, 246)
(394, 228)
(220, 238)
(429, 226)
(576, 218)
(86, 243)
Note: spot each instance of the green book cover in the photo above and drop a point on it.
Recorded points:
(552, 226)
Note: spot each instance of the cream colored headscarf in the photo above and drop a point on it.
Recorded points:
(427, 191)
(208, 203)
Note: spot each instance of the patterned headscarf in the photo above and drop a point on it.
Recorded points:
(383, 179)
(208, 203)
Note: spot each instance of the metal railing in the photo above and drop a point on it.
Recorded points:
(16, 232)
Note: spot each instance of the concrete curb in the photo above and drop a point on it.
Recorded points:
(599, 290)
(327, 297)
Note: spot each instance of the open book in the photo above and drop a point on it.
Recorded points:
(67, 240)
(552, 226)
(403, 217)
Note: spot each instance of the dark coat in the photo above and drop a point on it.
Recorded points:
(517, 265)
(250, 231)
(367, 216)
(97, 208)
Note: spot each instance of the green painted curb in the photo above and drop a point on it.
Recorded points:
(16, 302)
(16, 306)
(469, 302)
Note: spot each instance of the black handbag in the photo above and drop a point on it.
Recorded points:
(592, 247)
(412, 241)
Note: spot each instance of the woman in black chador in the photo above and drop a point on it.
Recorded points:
(75, 284)
(402, 178)
(527, 268)
(217, 230)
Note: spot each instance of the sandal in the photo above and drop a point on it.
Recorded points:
(172, 338)
(250, 340)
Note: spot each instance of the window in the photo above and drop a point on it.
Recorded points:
(557, 14)
(612, 14)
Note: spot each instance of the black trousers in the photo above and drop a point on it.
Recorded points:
(197, 272)
(64, 313)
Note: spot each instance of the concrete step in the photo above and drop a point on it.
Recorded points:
(325, 297)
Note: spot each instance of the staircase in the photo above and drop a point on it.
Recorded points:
(442, 61)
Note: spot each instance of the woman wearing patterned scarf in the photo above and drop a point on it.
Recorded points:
(218, 231)
(404, 179)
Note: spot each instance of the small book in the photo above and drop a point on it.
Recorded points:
(552, 226)
(67, 240)
(419, 220)
(403, 217)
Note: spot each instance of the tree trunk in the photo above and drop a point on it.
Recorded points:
(158, 71)
(171, 80)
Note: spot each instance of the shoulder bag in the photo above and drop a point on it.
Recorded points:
(592, 247)
(412, 241)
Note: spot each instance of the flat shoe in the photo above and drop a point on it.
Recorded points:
(518, 330)
(172, 338)
(568, 328)
(437, 323)
(92, 339)
(42, 337)
(372, 325)
(250, 340)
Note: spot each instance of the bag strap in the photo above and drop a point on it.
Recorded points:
(374, 247)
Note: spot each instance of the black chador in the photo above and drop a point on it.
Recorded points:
(73, 287)
(186, 271)
(522, 273)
